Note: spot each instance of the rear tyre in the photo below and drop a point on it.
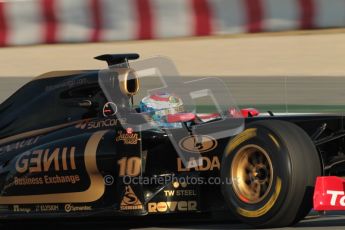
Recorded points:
(270, 170)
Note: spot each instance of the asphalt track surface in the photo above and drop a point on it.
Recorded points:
(298, 54)
(330, 221)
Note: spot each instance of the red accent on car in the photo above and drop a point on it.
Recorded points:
(250, 112)
(180, 117)
(329, 193)
(129, 130)
(243, 199)
(159, 98)
(247, 112)
(208, 116)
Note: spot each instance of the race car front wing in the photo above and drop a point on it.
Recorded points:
(329, 194)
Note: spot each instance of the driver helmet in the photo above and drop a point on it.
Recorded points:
(158, 106)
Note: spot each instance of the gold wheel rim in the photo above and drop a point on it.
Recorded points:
(252, 174)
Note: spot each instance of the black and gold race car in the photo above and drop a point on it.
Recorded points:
(76, 144)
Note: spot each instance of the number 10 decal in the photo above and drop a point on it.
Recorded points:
(129, 166)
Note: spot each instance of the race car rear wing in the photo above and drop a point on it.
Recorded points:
(117, 59)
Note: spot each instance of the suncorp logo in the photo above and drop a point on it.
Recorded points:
(88, 124)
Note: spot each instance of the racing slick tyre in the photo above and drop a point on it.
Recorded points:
(269, 171)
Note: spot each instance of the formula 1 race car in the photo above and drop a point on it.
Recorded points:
(85, 143)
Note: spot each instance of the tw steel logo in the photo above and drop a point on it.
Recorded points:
(184, 193)
(198, 143)
(88, 124)
(44, 160)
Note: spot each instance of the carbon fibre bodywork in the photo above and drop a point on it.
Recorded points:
(61, 157)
